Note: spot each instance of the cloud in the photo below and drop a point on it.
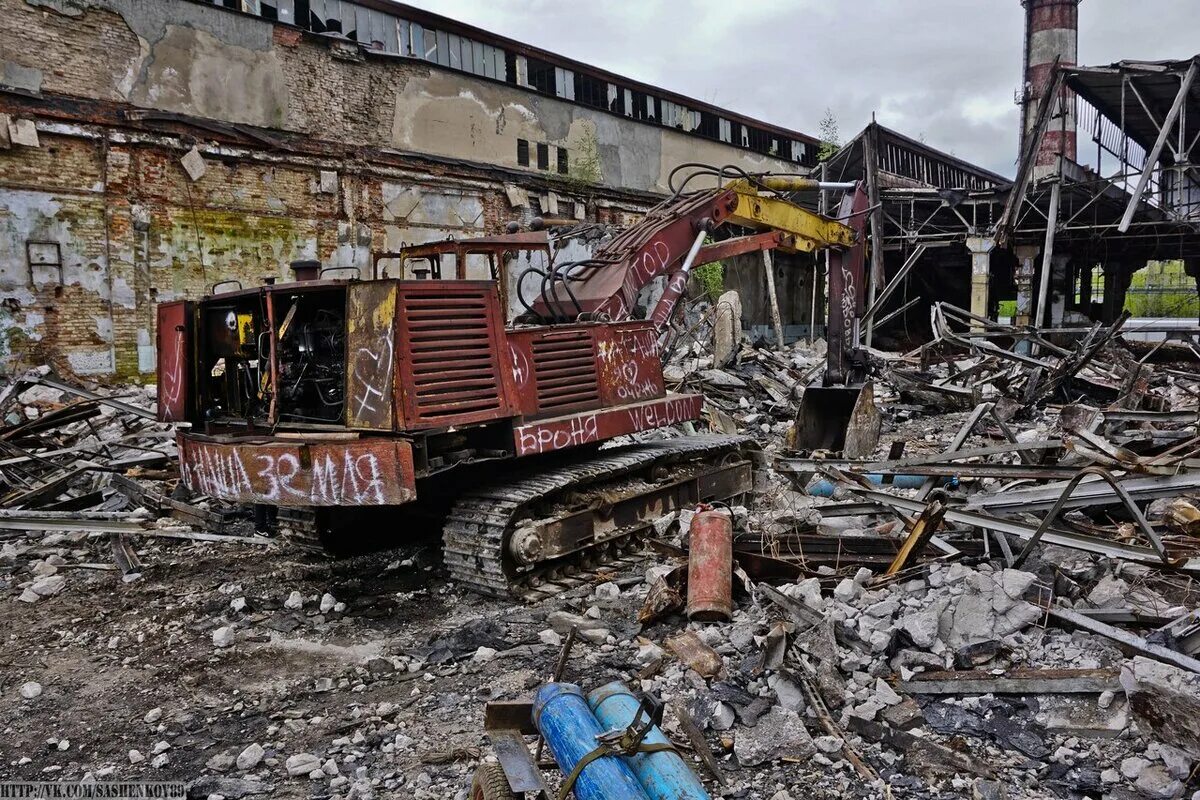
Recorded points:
(941, 70)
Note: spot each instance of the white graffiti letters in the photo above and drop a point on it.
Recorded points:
(344, 478)
(849, 303)
(520, 366)
(658, 415)
(357, 482)
(580, 430)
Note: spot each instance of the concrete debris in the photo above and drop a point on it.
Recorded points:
(249, 758)
(972, 669)
(1165, 701)
(302, 764)
(224, 636)
(778, 734)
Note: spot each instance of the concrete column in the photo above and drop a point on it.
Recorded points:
(981, 273)
(1117, 277)
(1060, 287)
(1023, 276)
(1111, 280)
(1085, 288)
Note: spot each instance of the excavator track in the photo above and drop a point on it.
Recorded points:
(614, 494)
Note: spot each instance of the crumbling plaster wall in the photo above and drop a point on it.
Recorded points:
(461, 117)
(202, 61)
(54, 194)
(134, 230)
(173, 56)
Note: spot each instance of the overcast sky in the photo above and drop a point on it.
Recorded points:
(941, 70)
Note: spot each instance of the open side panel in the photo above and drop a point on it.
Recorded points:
(370, 355)
(176, 323)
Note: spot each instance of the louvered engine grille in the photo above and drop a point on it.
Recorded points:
(565, 369)
(453, 365)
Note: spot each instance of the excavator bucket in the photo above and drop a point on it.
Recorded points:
(838, 418)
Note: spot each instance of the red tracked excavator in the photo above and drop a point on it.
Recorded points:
(355, 407)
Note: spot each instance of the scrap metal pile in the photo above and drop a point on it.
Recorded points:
(84, 463)
(1001, 601)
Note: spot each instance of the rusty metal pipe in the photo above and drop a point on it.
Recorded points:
(710, 567)
(794, 183)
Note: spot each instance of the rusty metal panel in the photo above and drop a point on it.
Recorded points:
(449, 337)
(629, 363)
(362, 472)
(846, 274)
(370, 355)
(573, 430)
(175, 360)
(520, 367)
(637, 256)
(564, 369)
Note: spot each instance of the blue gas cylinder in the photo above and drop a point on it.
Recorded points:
(562, 716)
(664, 775)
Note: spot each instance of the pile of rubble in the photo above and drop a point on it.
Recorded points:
(999, 602)
(1010, 575)
(88, 464)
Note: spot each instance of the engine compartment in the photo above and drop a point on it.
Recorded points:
(236, 384)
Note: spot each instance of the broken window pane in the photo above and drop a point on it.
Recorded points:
(591, 91)
(675, 115)
(403, 32)
(430, 45)
(540, 75)
(326, 16)
(281, 10)
(564, 83)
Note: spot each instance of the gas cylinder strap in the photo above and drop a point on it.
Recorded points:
(605, 750)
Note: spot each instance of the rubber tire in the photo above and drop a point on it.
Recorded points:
(490, 783)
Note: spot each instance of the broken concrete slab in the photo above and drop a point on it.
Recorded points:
(1164, 700)
(779, 734)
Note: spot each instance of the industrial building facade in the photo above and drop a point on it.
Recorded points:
(153, 149)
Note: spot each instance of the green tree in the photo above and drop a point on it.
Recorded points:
(830, 135)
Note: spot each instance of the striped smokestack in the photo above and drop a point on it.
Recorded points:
(1051, 31)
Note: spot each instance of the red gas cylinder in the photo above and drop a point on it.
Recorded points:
(710, 567)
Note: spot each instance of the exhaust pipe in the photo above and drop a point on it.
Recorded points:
(306, 270)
